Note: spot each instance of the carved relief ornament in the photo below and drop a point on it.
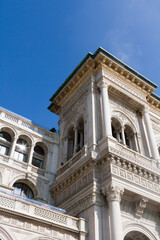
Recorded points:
(113, 192)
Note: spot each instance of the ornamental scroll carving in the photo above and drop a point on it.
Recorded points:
(113, 192)
(140, 207)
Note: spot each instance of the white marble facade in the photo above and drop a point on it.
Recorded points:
(103, 167)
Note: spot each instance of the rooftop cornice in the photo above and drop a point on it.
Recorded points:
(95, 62)
(154, 100)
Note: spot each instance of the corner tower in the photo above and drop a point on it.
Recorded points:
(108, 167)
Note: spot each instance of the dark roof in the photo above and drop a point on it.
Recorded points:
(155, 96)
(93, 56)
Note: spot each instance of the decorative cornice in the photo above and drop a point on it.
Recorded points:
(91, 64)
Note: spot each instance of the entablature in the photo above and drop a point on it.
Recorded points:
(92, 64)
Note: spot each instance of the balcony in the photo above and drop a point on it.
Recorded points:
(39, 211)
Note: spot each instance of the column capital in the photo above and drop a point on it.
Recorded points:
(145, 109)
(102, 84)
(113, 192)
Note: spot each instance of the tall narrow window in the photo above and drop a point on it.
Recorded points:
(38, 157)
(21, 150)
(116, 130)
(129, 138)
(5, 142)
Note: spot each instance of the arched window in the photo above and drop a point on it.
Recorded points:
(116, 130)
(70, 143)
(21, 150)
(5, 142)
(38, 156)
(23, 190)
(130, 138)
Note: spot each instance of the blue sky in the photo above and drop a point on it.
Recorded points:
(42, 41)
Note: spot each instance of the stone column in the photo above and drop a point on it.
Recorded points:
(65, 148)
(30, 156)
(91, 140)
(81, 139)
(123, 137)
(75, 139)
(136, 142)
(13, 146)
(118, 135)
(130, 143)
(113, 194)
(107, 131)
(151, 136)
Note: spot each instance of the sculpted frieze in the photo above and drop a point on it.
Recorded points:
(84, 203)
(74, 188)
(123, 86)
(135, 178)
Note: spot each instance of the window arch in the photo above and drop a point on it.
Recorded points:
(22, 148)
(5, 142)
(130, 138)
(116, 129)
(23, 190)
(39, 156)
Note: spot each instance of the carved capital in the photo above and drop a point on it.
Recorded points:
(140, 206)
(113, 192)
(102, 84)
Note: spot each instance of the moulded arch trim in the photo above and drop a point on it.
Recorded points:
(132, 226)
(68, 126)
(29, 181)
(119, 120)
(11, 128)
(46, 147)
(40, 238)
(6, 234)
(80, 113)
(27, 135)
(130, 123)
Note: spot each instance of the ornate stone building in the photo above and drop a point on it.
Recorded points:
(103, 167)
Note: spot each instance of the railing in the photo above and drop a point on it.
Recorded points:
(112, 146)
(16, 204)
(72, 160)
(27, 124)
